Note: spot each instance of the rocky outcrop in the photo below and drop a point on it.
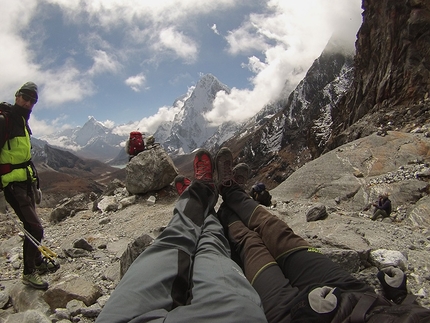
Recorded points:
(391, 84)
(353, 175)
(150, 170)
(72, 287)
(274, 149)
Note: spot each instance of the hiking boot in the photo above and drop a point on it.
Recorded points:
(45, 266)
(34, 280)
(181, 183)
(241, 173)
(224, 165)
(203, 166)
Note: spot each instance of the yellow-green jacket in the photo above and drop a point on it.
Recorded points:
(15, 154)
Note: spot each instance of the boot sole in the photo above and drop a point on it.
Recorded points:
(26, 282)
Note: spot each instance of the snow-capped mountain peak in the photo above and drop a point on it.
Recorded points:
(189, 129)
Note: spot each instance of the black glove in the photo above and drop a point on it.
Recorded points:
(393, 281)
(320, 305)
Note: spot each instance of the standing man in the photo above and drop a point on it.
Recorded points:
(19, 177)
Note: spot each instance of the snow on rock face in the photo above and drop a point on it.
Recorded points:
(190, 130)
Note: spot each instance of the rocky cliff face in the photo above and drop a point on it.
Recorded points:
(391, 82)
(276, 145)
(386, 85)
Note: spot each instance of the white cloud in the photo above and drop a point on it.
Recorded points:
(149, 124)
(245, 40)
(108, 124)
(65, 84)
(289, 38)
(280, 44)
(214, 29)
(103, 62)
(136, 83)
(43, 128)
(112, 12)
(182, 45)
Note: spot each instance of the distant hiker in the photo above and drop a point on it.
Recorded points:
(382, 207)
(135, 144)
(260, 194)
(19, 178)
(150, 141)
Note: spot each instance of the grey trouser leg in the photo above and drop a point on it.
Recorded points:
(186, 275)
(221, 293)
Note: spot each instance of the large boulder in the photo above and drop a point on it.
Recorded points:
(150, 170)
(353, 175)
(69, 288)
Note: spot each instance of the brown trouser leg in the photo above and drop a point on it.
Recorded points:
(253, 253)
(276, 235)
(260, 268)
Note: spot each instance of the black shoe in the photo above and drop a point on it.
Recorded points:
(241, 173)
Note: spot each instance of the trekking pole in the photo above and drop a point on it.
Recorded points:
(45, 251)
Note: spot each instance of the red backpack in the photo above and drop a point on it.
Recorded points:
(135, 143)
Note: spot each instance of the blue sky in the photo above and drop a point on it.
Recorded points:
(125, 62)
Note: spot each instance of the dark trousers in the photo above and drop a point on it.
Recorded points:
(280, 265)
(379, 213)
(21, 198)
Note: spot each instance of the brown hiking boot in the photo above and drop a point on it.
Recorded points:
(241, 173)
(224, 167)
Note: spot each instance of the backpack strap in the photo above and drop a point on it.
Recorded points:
(4, 111)
(7, 168)
(409, 299)
(364, 304)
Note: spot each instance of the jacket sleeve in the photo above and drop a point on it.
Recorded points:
(386, 205)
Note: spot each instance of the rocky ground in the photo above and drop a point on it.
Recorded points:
(90, 243)
(108, 234)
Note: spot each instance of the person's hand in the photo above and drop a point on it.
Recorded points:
(37, 193)
(393, 281)
(38, 196)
